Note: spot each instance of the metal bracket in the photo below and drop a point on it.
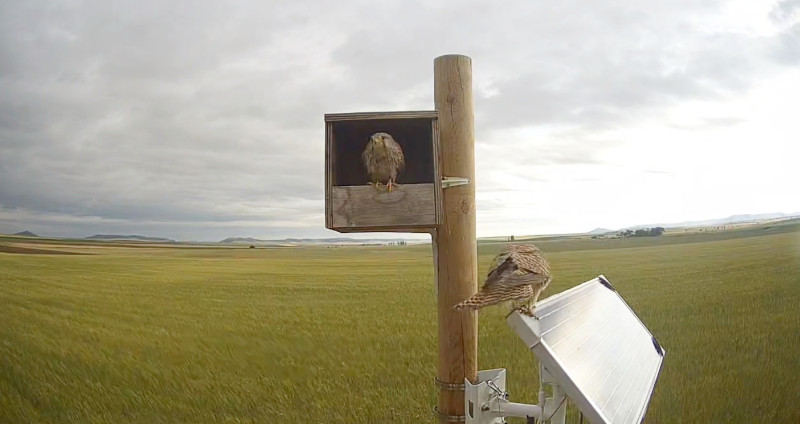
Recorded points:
(487, 401)
(448, 182)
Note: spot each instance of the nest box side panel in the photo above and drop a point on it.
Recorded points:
(329, 152)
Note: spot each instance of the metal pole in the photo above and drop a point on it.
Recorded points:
(454, 243)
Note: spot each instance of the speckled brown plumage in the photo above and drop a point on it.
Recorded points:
(519, 274)
(383, 158)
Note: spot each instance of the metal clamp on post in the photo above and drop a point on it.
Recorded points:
(448, 182)
(444, 418)
(452, 387)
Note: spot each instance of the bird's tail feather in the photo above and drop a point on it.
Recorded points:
(493, 295)
(474, 302)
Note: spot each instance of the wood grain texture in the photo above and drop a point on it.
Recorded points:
(454, 241)
(410, 205)
(333, 117)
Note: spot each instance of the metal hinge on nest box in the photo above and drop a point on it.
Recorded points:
(448, 182)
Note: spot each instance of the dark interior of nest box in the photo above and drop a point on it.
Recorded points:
(414, 135)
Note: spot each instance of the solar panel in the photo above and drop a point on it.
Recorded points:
(597, 349)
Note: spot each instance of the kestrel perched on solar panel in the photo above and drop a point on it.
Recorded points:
(519, 274)
(383, 159)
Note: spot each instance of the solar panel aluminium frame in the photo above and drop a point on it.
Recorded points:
(576, 331)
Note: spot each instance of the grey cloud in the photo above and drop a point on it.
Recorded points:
(99, 136)
(787, 46)
(709, 122)
(613, 80)
(566, 63)
(159, 114)
(785, 10)
(590, 69)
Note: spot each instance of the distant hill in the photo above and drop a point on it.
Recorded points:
(322, 241)
(733, 219)
(240, 240)
(129, 237)
(25, 234)
(763, 218)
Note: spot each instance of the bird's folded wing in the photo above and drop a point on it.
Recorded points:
(531, 262)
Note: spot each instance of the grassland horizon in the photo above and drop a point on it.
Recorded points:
(114, 333)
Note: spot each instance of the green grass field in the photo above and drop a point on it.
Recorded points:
(307, 335)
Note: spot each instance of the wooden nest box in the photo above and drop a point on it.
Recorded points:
(352, 204)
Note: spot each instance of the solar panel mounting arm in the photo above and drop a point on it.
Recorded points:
(487, 402)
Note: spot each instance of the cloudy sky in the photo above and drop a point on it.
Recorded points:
(201, 120)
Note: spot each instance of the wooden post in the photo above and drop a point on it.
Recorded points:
(454, 243)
